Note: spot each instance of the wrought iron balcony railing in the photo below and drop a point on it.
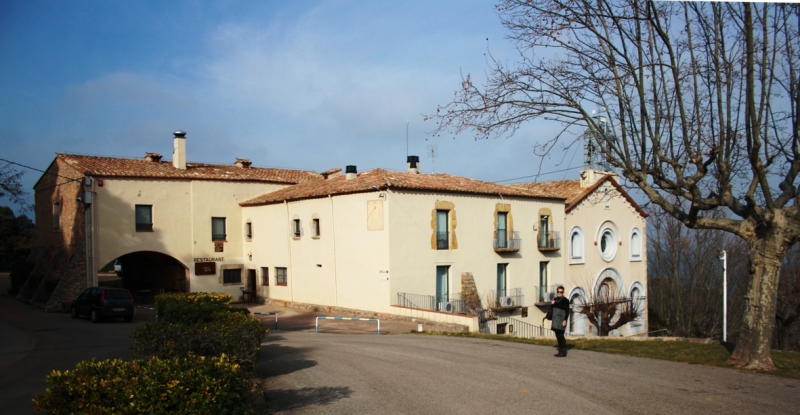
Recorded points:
(505, 241)
(453, 303)
(548, 241)
(546, 293)
(508, 298)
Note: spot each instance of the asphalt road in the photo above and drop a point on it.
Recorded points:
(323, 373)
(34, 343)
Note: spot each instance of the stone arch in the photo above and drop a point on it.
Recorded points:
(147, 273)
(609, 279)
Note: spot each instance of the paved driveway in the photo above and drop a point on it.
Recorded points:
(327, 373)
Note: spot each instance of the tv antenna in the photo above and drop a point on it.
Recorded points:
(406, 139)
(433, 152)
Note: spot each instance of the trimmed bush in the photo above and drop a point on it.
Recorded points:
(234, 334)
(191, 308)
(192, 385)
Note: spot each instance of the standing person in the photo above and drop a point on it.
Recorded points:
(560, 312)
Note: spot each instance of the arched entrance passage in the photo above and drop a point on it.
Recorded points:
(147, 273)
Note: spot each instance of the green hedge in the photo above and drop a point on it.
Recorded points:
(234, 334)
(192, 385)
(191, 308)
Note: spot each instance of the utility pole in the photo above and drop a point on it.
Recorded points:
(406, 140)
(723, 255)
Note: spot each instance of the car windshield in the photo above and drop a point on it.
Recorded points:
(117, 295)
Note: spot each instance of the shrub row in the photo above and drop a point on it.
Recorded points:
(189, 385)
(234, 334)
(199, 359)
(191, 308)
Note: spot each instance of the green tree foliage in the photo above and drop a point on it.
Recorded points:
(16, 239)
(11, 187)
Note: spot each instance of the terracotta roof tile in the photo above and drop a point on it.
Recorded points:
(385, 179)
(567, 189)
(572, 192)
(140, 168)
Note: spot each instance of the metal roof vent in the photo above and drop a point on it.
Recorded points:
(350, 172)
(412, 164)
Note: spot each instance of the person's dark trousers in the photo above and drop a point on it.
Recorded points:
(562, 343)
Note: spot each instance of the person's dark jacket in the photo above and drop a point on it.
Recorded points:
(560, 313)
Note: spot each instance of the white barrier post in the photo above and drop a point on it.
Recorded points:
(271, 314)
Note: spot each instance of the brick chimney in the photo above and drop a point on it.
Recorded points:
(242, 163)
(179, 150)
(331, 173)
(152, 157)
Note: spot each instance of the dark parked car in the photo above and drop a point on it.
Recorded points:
(102, 302)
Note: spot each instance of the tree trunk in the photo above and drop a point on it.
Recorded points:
(755, 340)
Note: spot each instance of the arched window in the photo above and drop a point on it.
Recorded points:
(636, 245)
(576, 246)
(638, 300)
(577, 320)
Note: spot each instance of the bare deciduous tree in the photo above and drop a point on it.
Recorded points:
(10, 186)
(787, 311)
(607, 309)
(703, 102)
(684, 288)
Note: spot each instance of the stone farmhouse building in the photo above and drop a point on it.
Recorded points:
(433, 247)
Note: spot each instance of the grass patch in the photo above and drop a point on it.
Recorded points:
(787, 363)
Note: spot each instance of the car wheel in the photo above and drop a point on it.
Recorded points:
(95, 316)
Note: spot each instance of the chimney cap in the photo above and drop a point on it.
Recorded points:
(350, 169)
(148, 156)
(179, 134)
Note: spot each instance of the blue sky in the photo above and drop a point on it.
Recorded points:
(302, 85)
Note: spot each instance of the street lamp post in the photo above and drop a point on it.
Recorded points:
(723, 255)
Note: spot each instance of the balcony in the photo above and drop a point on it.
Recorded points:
(545, 294)
(508, 299)
(449, 304)
(548, 241)
(502, 242)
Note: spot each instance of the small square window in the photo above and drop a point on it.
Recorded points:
(218, 229)
(144, 218)
(280, 276)
(232, 276)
